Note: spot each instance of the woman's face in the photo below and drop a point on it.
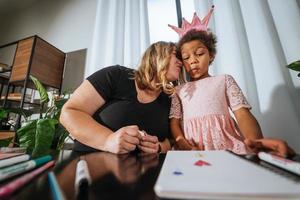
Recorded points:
(174, 67)
(196, 59)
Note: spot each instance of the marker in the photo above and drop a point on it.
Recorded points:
(11, 171)
(286, 164)
(12, 150)
(14, 185)
(9, 155)
(142, 133)
(14, 160)
(55, 189)
(82, 179)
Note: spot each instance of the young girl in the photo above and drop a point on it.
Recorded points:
(200, 116)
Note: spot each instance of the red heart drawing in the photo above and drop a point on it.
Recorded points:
(201, 163)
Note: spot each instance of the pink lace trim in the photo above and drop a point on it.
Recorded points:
(215, 132)
(235, 95)
(175, 110)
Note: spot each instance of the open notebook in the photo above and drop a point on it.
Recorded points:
(220, 175)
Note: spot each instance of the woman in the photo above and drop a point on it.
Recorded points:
(118, 109)
(111, 109)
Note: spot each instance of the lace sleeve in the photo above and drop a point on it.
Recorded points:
(175, 111)
(235, 95)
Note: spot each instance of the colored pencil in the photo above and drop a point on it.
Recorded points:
(12, 150)
(11, 171)
(9, 155)
(14, 185)
(14, 160)
(55, 189)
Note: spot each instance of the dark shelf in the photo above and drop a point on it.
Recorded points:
(18, 102)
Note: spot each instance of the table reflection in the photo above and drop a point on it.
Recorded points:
(129, 176)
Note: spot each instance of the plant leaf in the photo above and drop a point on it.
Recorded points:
(5, 142)
(3, 113)
(45, 130)
(41, 89)
(54, 111)
(26, 135)
(21, 111)
(59, 137)
(59, 103)
(295, 66)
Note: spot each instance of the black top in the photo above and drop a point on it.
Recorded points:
(116, 86)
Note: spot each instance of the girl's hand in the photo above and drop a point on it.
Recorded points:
(195, 146)
(123, 140)
(149, 144)
(271, 145)
(184, 144)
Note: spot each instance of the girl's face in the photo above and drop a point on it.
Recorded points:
(196, 59)
(174, 67)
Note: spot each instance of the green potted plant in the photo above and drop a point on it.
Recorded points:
(295, 66)
(8, 129)
(3, 116)
(4, 141)
(41, 135)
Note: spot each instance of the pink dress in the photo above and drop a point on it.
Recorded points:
(204, 105)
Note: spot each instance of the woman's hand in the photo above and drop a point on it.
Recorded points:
(148, 161)
(271, 145)
(149, 144)
(123, 140)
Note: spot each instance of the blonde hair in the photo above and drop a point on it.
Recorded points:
(151, 73)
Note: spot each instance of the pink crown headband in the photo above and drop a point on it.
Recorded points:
(197, 24)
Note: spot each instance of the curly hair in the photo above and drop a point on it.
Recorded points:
(151, 73)
(206, 37)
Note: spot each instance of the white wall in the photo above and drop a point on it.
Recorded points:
(66, 24)
(7, 54)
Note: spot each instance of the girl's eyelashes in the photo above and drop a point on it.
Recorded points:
(197, 54)
(184, 56)
(201, 52)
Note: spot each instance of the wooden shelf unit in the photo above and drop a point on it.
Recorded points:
(34, 56)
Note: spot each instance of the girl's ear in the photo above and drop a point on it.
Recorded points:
(211, 58)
